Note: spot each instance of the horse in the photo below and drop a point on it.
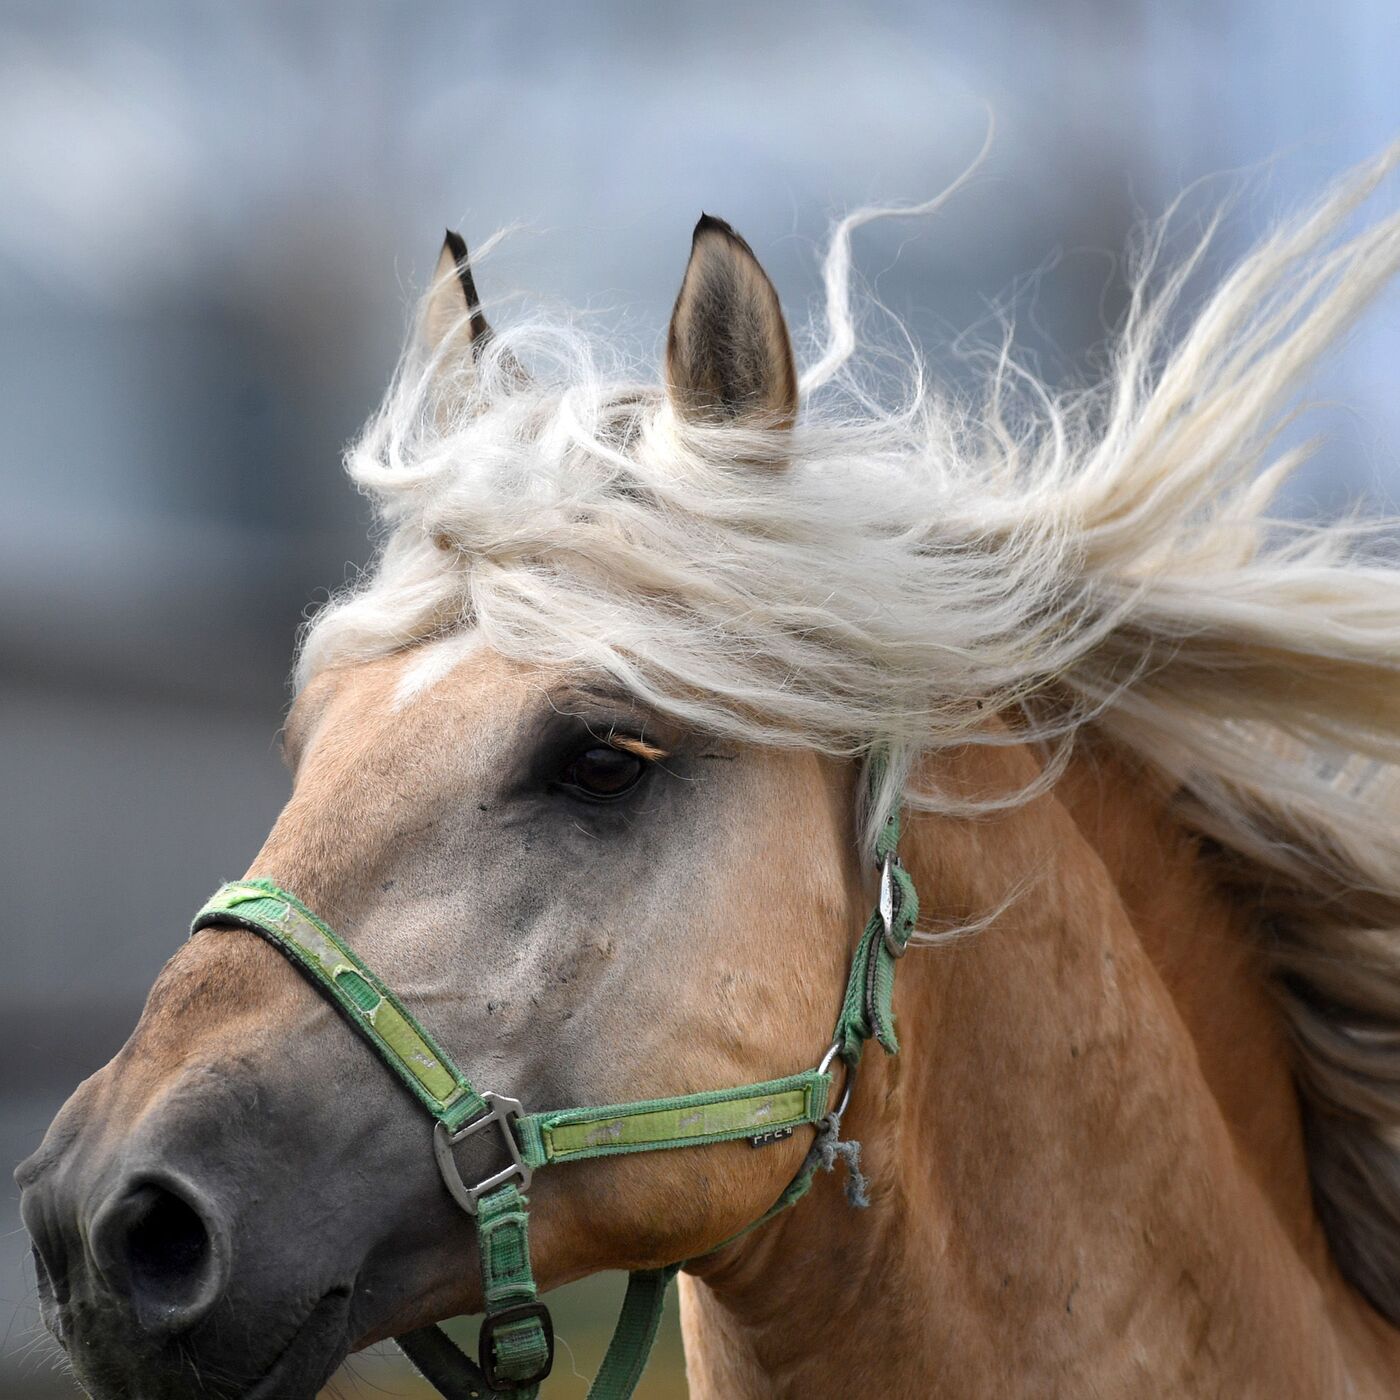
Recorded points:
(596, 775)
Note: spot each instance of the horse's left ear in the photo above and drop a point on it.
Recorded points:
(728, 356)
(453, 297)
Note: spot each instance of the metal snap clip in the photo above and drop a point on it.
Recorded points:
(889, 900)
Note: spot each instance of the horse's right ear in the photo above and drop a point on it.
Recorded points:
(452, 300)
(728, 356)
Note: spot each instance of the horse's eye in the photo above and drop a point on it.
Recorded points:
(604, 772)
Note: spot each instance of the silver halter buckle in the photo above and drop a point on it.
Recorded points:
(503, 1112)
(893, 946)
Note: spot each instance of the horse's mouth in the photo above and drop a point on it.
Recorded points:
(309, 1359)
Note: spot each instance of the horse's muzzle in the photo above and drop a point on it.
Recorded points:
(135, 1243)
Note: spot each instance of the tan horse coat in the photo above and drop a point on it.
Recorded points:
(1087, 1169)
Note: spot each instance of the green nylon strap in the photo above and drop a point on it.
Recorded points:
(516, 1348)
(519, 1347)
(721, 1115)
(366, 1003)
(634, 1336)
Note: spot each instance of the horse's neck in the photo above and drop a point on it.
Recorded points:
(1086, 1169)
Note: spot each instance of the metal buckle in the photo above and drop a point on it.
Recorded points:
(502, 1111)
(833, 1050)
(893, 946)
(485, 1356)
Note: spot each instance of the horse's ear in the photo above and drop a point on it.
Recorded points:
(728, 356)
(453, 297)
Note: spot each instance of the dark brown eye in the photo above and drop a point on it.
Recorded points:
(604, 772)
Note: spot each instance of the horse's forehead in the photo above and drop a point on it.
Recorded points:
(397, 704)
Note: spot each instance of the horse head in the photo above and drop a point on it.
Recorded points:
(598, 781)
(588, 899)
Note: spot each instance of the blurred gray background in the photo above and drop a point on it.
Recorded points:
(212, 218)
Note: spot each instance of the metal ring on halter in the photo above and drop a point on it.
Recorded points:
(826, 1062)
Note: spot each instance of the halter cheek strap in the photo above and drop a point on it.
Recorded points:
(516, 1349)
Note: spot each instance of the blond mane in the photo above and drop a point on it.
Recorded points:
(900, 574)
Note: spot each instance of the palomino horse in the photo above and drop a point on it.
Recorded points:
(590, 770)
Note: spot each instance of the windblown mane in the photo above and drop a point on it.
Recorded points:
(1102, 559)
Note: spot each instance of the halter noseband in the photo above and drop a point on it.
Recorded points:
(516, 1349)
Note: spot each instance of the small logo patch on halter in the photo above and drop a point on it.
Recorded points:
(775, 1135)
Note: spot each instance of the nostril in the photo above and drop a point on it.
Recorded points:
(156, 1245)
(166, 1246)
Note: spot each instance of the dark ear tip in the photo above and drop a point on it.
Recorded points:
(709, 224)
(455, 244)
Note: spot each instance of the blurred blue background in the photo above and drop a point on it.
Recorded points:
(212, 219)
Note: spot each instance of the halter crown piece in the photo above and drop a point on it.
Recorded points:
(516, 1348)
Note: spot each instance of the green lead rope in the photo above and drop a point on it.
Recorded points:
(516, 1349)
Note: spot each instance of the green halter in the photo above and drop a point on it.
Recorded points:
(517, 1337)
